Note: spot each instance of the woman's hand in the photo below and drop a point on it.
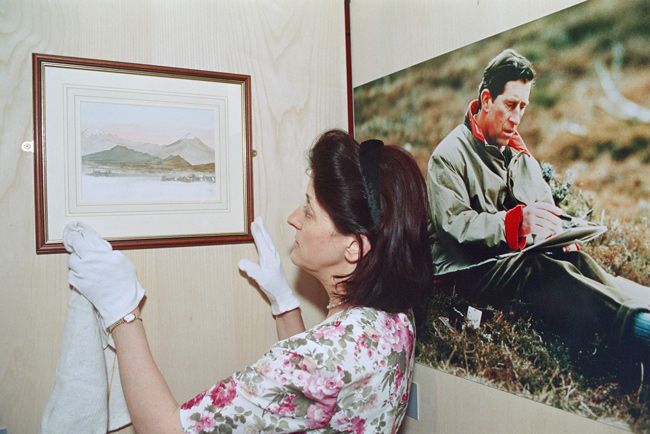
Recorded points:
(268, 273)
(105, 277)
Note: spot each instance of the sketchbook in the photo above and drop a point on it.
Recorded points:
(580, 234)
(570, 235)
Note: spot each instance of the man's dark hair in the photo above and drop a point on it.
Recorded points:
(507, 66)
(396, 273)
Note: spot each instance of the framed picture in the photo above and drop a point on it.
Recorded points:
(150, 156)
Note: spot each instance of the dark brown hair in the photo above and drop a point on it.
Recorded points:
(396, 273)
(507, 66)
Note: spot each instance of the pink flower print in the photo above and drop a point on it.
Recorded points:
(295, 358)
(223, 393)
(193, 402)
(299, 378)
(205, 424)
(363, 346)
(333, 331)
(386, 324)
(395, 335)
(360, 344)
(399, 375)
(323, 388)
(371, 402)
(287, 407)
(385, 346)
(406, 337)
(355, 425)
(318, 415)
(264, 367)
(284, 379)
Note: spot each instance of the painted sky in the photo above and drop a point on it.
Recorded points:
(149, 123)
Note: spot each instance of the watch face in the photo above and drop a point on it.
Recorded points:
(130, 317)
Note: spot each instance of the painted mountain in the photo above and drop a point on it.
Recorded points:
(106, 154)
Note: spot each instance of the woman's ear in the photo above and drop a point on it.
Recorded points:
(355, 251)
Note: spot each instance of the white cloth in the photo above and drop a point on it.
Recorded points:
(81, 401)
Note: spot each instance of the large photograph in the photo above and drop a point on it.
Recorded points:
(151, 156)
(535, 146)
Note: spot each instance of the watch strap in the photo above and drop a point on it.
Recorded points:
(128, 318)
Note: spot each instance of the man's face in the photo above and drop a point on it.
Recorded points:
(504, 113)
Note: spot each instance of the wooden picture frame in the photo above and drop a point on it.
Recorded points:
(149, 156)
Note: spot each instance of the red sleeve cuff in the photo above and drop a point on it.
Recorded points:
(514, 218)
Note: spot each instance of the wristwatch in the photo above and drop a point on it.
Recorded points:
(126, 319)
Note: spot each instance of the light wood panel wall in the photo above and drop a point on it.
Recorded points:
(390, 35)
(203, 318)
(452, 405)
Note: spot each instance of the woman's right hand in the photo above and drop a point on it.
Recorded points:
(268, 273)
(105, 277)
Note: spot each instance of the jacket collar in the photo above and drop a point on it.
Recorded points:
(515, 142)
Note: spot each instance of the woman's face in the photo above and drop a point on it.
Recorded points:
(319, 248)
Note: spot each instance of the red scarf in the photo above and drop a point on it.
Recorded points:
(515, 142)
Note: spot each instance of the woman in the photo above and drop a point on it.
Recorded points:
(362, 232)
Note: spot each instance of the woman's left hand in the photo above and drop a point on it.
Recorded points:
(105, 277)
(268, 273)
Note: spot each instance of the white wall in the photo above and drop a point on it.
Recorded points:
(203, 319)
(390, 35)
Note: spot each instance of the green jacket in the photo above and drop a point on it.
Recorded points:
(471, 185)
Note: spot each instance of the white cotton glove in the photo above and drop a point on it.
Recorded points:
(105, 277)
(268, 273)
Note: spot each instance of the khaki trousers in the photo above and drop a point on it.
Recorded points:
(569, 292)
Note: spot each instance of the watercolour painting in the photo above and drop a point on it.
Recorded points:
(149, 156)
(588, 124)
(142, 153)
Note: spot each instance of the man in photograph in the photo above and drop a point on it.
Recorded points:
(488, 197)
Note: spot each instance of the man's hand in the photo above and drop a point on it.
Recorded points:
(541, 219)
(268, 273)
(574, 247)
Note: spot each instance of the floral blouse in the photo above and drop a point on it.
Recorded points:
(350, 373)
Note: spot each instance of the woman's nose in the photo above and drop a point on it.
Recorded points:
(294, 219)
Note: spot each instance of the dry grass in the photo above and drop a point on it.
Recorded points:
(509, 352)
(624, 249)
